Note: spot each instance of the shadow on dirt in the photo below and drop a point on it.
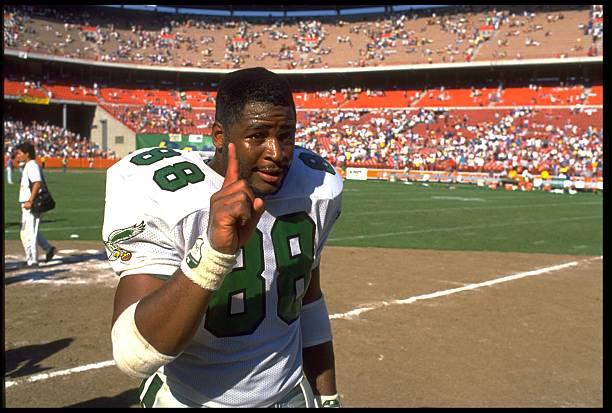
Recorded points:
(24, 361)
(12, 266)
(126, 399)
(33, 276)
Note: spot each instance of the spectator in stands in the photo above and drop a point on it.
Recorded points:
(50, 140)
(383, 38)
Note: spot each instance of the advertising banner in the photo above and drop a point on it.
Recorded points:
(359, 174)
(190, 142)
(34, 100)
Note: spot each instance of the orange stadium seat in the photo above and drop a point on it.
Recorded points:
(595, 97)
(64, 93)
(13, 88)
(390, 99)
(313, 101)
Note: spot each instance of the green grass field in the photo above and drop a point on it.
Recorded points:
(379, 214)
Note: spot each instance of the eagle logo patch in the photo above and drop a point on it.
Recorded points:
(120, 235)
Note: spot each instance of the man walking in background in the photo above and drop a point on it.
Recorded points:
(9, 169)
(31, 183)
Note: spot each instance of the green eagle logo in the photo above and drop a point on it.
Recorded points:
(120, 235)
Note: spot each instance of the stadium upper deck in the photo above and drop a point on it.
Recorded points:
(454, 34)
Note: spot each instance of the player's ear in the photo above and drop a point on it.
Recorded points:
(217, 136)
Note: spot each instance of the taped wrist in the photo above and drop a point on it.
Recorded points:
(133, 354)
(206, 266)
(332, 400)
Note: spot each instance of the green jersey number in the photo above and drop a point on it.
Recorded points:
(153, 155)
(239, 306)
(172, 177)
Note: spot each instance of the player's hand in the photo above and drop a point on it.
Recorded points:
(234, 210)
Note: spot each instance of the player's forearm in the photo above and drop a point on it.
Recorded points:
(319, 367)
(169, 317)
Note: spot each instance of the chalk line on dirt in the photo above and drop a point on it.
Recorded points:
(349, 315)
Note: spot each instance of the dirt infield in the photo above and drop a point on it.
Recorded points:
(459, 334)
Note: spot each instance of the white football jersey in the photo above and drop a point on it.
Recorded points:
(247, 350)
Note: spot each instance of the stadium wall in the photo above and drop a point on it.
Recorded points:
(109, 133)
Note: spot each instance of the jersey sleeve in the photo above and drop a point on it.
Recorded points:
(154, 211)
(136, 241)
(332, 209)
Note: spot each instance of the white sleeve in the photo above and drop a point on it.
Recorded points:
(136, 241)
(333, 209)
(33, 172)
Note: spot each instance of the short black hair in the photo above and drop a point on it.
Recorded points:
(27, 147)
(254, 84)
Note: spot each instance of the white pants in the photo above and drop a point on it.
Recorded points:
(30, 237)
(154, 392)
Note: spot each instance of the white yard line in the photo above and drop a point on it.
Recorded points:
(349, 315)
(352, 314)
(45, 376)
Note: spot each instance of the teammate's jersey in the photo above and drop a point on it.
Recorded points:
(247, 350)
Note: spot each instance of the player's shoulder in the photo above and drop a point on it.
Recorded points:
(311, 170)
(159, 162)
(166, 182)
(135, 161)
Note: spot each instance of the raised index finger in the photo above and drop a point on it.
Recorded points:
(231, 171)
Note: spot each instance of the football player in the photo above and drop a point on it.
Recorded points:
(219, 302)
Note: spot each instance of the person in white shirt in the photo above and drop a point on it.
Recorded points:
(31, 182)
(219, 302)
(9, 169)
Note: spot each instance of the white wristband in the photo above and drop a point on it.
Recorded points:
(207, 267)
(332, 400)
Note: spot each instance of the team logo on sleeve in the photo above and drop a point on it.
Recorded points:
(120, 235)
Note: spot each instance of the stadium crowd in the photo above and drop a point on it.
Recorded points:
(533, 140)
(461, 33)
(161, 119)
(520, 139)
(50, 140)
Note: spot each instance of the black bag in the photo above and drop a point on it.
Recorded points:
(44, 201)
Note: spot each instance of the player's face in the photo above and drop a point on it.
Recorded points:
(264, 140)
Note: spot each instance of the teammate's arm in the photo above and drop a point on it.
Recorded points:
(168, 313)
(319, 363)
